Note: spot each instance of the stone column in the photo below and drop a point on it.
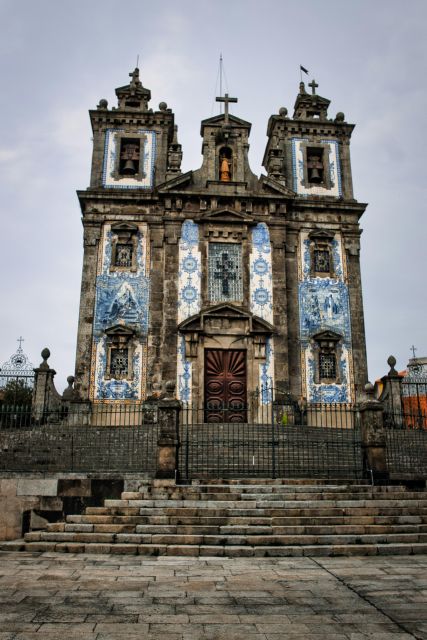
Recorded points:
(168, 443)
(373, 435)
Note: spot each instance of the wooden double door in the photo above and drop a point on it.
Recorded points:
(225, 385)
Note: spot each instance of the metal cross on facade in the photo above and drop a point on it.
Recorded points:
(225, 273)
(226, 100)
(313, 84)
(413, 349)
(20, 340)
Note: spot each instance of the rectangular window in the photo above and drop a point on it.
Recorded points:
(225, 272)
(327, 366)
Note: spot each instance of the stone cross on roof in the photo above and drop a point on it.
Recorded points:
(313, 84)
(226, 100)
(413, 349)
(20, 340)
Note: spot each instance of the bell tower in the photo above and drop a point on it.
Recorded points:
(310, 154)
(134, 150)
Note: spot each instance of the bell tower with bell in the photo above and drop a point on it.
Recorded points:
(135, 149)
(310, 154)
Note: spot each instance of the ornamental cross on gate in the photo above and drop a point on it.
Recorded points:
(225, 272)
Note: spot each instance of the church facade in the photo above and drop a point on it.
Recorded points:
(218, 279)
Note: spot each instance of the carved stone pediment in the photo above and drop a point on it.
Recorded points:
(226, 215)
(331, 336)
(321, 234)
(226, 319)
(119, 329)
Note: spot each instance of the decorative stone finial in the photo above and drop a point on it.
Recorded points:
(163, 106)
(369, 389)
(170, 389)
(45, 354)
(302, 88)
(391, 361)
(69, 393)
(283, 112)
(103, 104)
(340, 117)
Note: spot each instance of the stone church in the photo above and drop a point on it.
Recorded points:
(218, 279)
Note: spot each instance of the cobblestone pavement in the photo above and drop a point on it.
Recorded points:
(47, 596)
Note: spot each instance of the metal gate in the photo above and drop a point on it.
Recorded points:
(280, 438)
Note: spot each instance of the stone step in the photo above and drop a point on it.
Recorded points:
(235, 551)
(125, 536)
(265, 504)
(319, 511)
(269, 490)
(244, 529)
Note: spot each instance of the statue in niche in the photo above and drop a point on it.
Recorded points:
(225, 165)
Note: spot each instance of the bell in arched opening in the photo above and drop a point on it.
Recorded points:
(225, 164)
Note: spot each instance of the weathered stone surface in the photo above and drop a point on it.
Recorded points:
(37, 487)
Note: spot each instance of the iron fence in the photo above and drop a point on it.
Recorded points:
(270, 436)
(406, 440)
(98, 438)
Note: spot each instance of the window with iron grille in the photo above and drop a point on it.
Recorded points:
(327, 366)
(119, 363)
(123, 255)
(322, 260)
(225, 272)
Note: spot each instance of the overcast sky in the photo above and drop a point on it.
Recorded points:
(59, 58)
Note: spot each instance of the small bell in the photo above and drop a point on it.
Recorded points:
(129, 167)
(315, 175)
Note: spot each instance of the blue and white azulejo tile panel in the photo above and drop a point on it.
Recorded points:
(121, 298)
(261, 287)
(184, 373)
(111, 179)
(333, 166)
(189, 274)
(327, 393)
(324, 306)
(266, 374)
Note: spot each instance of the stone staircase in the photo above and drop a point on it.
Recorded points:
(247, 518)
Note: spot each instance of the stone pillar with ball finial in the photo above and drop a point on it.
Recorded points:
(373, 435)
(45, 396)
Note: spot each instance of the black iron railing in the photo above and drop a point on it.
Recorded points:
(97, 438)
(406, 440)
(270, 436)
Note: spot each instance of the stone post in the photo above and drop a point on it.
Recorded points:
(391, 389)
(45, 397)
(373, 435)
(168, 443)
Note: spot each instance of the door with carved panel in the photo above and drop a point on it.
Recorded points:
(225, 385)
